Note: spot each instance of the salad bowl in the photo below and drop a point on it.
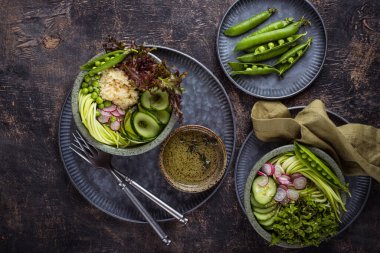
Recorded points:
(256, 171)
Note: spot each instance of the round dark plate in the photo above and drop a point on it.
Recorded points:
(302, 74)
(253, 149)
(204, 94)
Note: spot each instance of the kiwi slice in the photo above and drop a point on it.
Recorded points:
(159, 100)
(144, 125)
(163, 116)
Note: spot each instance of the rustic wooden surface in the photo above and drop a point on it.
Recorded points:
(42, 44)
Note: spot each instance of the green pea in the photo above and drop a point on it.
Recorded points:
(262, 48)
(107, 58)
(87, 79)
(313, 164)
(94, 67)
(271, 45)
(97, 77)
(112, 57)
(289, 39)
(99, 100)
(91, 74)
(97, 63)
(259, 68)
(85, 91)
(280, 42)
(94, 95)
(266, 67)
(97, 113)
(103, 62)
(245, 65)
(107, 103)
(254, 67)
(84, 85)
(113, 119)
(248, 69)
(96, 89)
(291, 60)
(100, 106)
(95, 83)
(90, 89)
(303, 156)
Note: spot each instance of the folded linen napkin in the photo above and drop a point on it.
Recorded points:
(355, 146)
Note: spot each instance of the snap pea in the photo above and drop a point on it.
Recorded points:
(288, 59)
(274, 26)
(314, 163)
(92, 63)
(252, 57)
(249, 23)
(274, 45)
(262, 38)
(239, 68)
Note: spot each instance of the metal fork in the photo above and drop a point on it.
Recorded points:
(101, 159)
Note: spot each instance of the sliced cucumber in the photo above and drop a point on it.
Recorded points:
(144, 125)
(150, 113)
(265, 210)
(264, 216)
(145, 99)
(163, 116)
(128, 126)
(264, 194)
(257, 204)
(267, 223)
(159, 100)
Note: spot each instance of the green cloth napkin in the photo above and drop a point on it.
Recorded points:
(355, 146)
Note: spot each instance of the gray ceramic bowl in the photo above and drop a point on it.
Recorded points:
(247, 192)
(135, 150)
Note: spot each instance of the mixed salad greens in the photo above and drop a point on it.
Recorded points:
(298, 198)
(127, 97)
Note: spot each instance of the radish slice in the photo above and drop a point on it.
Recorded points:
(300, 183)
(280, 194)
(283, 187)
(285, 201)
(103, 119)
(278, 170)
(115, 125)
(285, 177)
(292, 194)
(104, 113)
(261, 173)
(120, 111)
(110, 108)
(115, 113)
(296, 175)
(263, 181)
(284, 180)
(268, 169)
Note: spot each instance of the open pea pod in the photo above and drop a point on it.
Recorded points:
(275, 45)
(239, 68)
(315, 164)
(262, 57)
(288, 59)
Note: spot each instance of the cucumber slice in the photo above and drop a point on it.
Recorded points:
(264, 216)
(264, 194)
(145, 99)
(257, 204)
(159, 100)
(265, 210)
(269, 222)
(144, 125)
(163, 116)
(128, 127)
(150, 113)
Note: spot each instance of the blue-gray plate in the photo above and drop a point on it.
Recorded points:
(204, 94)
(301, 75)
(253, 149)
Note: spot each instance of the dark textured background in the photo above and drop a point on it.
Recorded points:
(42, 44)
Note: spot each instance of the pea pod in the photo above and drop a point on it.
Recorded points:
(315, 164)
(290, 58)
(264, 56)
(262, 38)
(274, 45)
(90, 64)
(249, 23)
(239, 68)
(274, 26)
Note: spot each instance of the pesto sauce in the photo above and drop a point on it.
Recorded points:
(192, 157)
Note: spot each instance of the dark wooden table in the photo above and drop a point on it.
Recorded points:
(42, 44)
